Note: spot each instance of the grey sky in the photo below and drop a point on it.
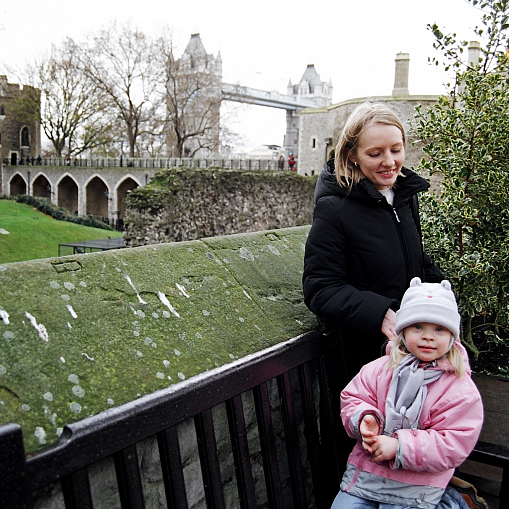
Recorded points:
(263, 44)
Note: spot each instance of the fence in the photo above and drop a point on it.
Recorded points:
(304, 371)
(234, 163)
(116, 433)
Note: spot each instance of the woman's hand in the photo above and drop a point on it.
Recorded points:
(389, 324)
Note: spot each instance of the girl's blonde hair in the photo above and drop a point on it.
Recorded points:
(347, 174)
(399, 352)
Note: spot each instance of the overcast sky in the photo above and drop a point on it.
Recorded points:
(263, 43)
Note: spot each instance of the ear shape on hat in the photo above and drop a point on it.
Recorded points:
(415, 282)
(446, 284)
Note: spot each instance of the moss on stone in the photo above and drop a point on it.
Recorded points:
(190, 203)
(83, 333)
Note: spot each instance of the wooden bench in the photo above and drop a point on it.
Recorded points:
(497, 456)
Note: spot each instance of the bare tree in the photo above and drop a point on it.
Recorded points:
(192, 98)
(72, 110)
(119, 62)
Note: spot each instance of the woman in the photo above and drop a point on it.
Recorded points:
(365, 246)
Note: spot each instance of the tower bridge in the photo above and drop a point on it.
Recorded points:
(310, 92)
(272, 99)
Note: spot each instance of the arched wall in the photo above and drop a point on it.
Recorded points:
(69, 184)
(97, 196)
(127, 184)
(41, 186)
(17, 184)
(67, 192)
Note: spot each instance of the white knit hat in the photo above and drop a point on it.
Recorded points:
(431, 303)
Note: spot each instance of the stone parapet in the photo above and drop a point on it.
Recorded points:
(80, 334)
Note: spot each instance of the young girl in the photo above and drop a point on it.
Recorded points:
(416, 414)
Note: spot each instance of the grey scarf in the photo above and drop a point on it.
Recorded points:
(407, 393)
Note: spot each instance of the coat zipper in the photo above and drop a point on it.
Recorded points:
(403, 243)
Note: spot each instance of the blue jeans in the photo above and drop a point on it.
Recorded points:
(451, 499)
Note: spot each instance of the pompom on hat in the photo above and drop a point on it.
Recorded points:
(431, 303)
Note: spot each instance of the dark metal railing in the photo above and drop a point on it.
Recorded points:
(221, 161)
(301, 370)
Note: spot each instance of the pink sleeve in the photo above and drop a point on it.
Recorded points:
(451, 433)
(359, 398)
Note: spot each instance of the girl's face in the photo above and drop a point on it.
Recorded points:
(427, 341)
(380, 154)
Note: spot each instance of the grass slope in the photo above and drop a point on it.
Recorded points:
(34, 235)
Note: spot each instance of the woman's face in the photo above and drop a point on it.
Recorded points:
(380, 154)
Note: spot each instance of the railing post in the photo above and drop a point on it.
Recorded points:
(14, 488)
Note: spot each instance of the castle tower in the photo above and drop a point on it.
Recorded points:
(311, 88)
(20, 134)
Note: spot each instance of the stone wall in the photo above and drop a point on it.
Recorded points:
(80, 334)
(186, 204)
(19, 138)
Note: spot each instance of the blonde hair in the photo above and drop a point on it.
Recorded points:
(347, 174)
(399, 352)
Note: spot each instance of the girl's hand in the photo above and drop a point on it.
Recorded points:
(368, 430)
(384, 448)
(389, 324)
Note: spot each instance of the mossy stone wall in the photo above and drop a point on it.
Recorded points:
(190, 203)
(82, 333)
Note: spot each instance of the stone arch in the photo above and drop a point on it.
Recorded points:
(25, 137)
(128, 184)
(17, 185)
(41, 187)
(68, 194)
(97, 198)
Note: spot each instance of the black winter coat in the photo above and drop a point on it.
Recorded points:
(361, 254)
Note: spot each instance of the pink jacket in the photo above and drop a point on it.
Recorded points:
(450, 425)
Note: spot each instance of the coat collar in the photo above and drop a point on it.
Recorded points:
(406, 186)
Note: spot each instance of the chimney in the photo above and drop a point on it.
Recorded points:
(401, 75)
(474, 54)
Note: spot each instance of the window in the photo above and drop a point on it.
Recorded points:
(25, 138)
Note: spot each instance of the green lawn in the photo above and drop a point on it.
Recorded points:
(34, 235)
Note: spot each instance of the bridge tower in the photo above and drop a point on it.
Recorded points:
(310, 89)
(207, 99)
